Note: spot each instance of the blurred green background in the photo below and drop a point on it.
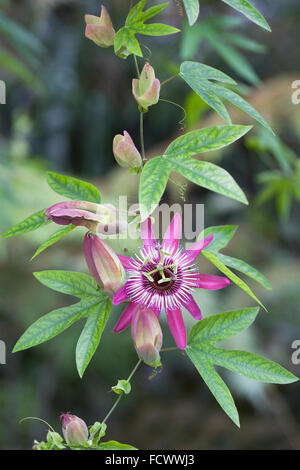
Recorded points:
(66, 99)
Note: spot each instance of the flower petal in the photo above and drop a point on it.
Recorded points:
(210, 282)
(120, 296)
(193, 308)
(173, 234)
(126, 317)
(177, 327)
(125, 260)
(195, 249)
(147, 233)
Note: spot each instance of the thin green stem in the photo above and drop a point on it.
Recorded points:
(136, 65)
(112, 408)
(168, 349)
(168, 80)
(142, 135)
(134, 370)
(141, 114)
(120, 396)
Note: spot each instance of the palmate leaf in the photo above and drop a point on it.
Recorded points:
(204, 355)
(222, 236)
(155, 173)
(93, 305)
(73, 188)
(247, 9)
(198, 76)
(125, 41)
(192, 8)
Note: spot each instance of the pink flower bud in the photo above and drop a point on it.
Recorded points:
(100, 218)
(147, 335)
(74, 429)
(104, 264)
(125, 152)
(146, 89)
(100, 29)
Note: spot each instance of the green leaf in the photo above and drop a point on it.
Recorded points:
(234, 58)
(150, 12)
(73, 188)
(192, 9)
(154, 29)
(209, 176)
(222, 236)
(203, 140)
(153, 181)
(209, 98)
(97, 430)
(55, 237)
(91, 334)
(245, 7)
(251, 365)
(71, 283)
(195, 71)
(214, 259)
(114, 445)
(214, 382)
(204, 355)
(123, 386)
(238, 101)
(125, 44)
(245, 268)
(155, 173)
(222, 326)
(244, 42)
(31, 223)
(54, 323)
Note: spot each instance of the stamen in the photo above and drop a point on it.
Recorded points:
(165, 253)
(148, 276)
(165, 279)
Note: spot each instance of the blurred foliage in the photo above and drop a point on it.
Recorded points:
(68, 124)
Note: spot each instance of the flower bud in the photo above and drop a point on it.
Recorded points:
(100, 29)
(74, 429)
(100, 218)
(146, 89)
(147, 335)
(125, 152)
(104, 264)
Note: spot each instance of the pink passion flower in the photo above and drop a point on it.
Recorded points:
(162, 276)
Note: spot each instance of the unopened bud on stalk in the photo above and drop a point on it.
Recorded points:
(100, 29)
(146, 89)
(74, 429)
(125, 152)
(104, 264)
(100, 218)
(147, 336)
